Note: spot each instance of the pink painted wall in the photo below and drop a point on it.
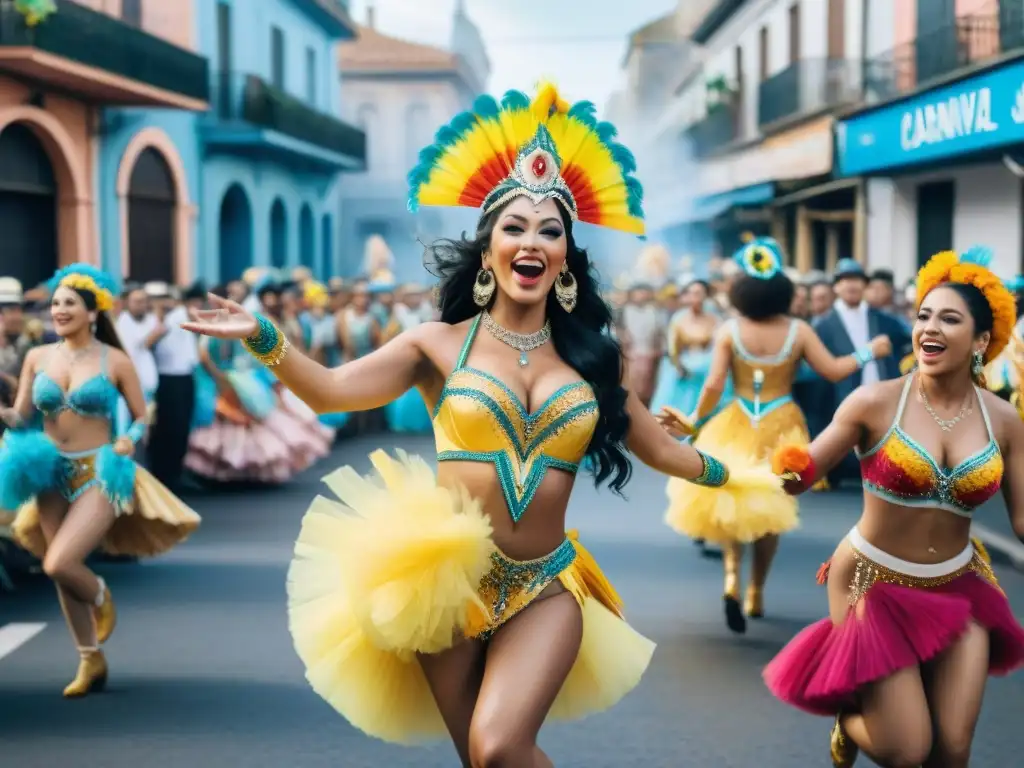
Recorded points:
(169, 19)
(63, 128)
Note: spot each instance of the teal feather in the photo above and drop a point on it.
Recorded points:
(29, 465)
(606, 132)
(515, 100)
(101, 278)
(486, 107)
(623, 157)
(585, 112)
(978, 254)
(116, 475)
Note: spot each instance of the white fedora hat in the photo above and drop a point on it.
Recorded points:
(157, 290)
(11, 291)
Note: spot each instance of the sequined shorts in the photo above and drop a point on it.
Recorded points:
(875, 565)
(79, 473)
(511, 585)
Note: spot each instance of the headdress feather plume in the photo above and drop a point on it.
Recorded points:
(87, 277)
(544, 148)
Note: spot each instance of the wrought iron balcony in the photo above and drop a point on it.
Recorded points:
(971, 40)
(101, 59)
(334, 15)
(243, 104)
(807, 86)
(716, 130)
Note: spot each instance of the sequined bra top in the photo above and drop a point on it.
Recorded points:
(899, 470)
(478, 418)
(95, 397)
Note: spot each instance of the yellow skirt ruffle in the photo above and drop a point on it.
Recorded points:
(156, 522)
(752, 504)
(395, 570)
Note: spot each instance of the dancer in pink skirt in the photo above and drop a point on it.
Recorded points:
(917, 620)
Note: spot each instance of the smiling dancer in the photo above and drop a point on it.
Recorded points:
(459, 602)
(917, 621)
(88, 492)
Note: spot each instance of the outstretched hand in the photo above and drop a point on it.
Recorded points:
(226, 320)
(675, 422)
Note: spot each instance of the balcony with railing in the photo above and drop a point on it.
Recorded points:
(971, 40)
(807, 87)
(717, 129)
(101, 59)
(332, 15)
(250, 117)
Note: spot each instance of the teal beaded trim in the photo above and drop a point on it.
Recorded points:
(265, 338)
(507, 576)
(715, 473)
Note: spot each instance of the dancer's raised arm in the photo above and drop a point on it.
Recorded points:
(361, 385)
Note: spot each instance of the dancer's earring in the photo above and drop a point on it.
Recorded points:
(566, 288)
(977, 363)
(483, 287)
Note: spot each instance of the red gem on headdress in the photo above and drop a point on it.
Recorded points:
(540, 166)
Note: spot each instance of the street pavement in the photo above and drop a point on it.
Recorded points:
(203, 674)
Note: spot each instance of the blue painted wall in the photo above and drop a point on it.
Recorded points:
(254, 183)
(117, 129)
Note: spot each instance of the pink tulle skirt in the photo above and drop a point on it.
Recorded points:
(891, 628)
(274, 450)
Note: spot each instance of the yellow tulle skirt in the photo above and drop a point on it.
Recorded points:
(155, 522)
(398, 568)
(752, 505)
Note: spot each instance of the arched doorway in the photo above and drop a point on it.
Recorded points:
(327, 247)
(151, 219)
(235, 229)
(28, 207)
(278, 235)
(307, 239)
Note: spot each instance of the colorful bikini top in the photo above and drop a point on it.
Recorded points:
(899, 470)
(95, 397)
(478, 418)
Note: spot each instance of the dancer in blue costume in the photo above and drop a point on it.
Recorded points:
(320, 333)
(690, 336)
(76, 486)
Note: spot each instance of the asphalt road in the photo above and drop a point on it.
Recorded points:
(203, 674)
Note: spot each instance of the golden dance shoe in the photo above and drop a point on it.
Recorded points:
(734, 618)
(91, 677)
(753, 603)
(105, 616)
(844, 751)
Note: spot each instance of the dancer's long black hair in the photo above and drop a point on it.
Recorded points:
(581, 337)
(106, 331)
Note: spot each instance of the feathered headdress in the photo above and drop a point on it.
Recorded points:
(760, 258)
(971, 268)
(544, 149)
(86, 277)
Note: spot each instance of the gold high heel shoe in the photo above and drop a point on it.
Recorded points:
(105, 616)
(91, 676)
(844, 751)
(753, 603)
(732, 555)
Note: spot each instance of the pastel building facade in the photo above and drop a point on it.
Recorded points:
(272, 148)
(77, 166)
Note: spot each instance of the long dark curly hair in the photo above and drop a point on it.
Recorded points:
(581, 338)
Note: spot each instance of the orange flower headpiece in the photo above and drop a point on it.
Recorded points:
(972, 269)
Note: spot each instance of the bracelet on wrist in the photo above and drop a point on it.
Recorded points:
(863, 356)
(715, 473)
(136, 431)
(268, 344)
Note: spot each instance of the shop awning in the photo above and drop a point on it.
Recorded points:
(710, 206)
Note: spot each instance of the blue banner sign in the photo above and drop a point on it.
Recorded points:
(977, 113)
